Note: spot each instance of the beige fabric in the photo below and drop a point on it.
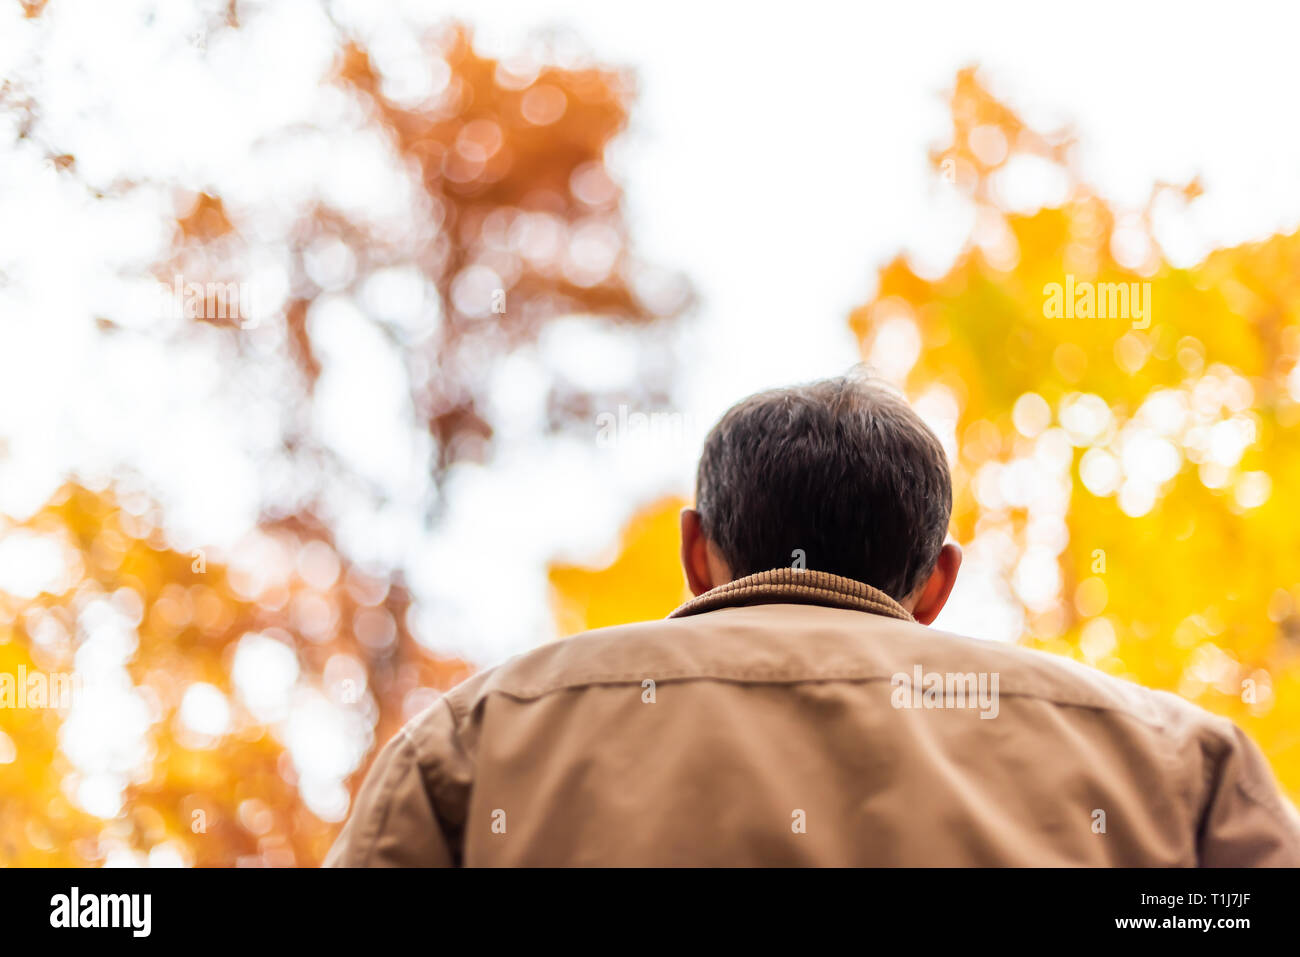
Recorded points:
(765, 723)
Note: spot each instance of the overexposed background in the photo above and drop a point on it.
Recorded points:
(776, 156)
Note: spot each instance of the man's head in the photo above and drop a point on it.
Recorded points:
(841, 472)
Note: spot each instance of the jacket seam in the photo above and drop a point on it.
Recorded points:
(1270, 804)
(390, 786)
(780, 678)
(434, 783)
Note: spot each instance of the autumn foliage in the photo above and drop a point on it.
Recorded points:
(1124, 478)
(1127, 478)
(228, 699)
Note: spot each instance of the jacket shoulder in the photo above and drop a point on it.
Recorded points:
(614, 655)
(1031, 672)
(787, 644)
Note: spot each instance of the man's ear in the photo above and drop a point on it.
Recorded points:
(934, 593)
(695, 553)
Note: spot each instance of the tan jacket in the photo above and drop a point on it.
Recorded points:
(797, 718)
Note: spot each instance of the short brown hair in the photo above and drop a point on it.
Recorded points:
(842, 469)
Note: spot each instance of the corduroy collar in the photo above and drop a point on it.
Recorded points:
(796, 586)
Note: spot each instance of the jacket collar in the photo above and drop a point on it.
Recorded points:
(796, 586)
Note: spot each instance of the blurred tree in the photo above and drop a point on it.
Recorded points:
(518, 222)
(209, 780)
(642, 582)
(222, 701)
(1127, 476)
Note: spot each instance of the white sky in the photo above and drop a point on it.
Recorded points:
(778, 158)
